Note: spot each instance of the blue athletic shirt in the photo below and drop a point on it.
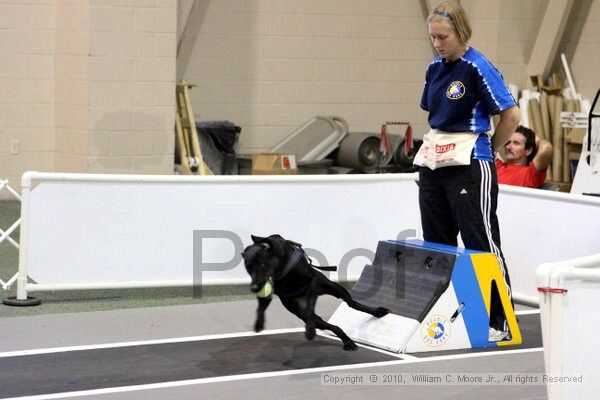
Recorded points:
(462, 95)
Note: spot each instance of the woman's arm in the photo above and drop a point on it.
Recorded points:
(509, 120)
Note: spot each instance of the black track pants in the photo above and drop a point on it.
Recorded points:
(464, 199)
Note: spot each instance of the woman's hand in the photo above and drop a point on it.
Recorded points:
(509, 120)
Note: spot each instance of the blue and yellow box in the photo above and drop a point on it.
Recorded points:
(440, 298)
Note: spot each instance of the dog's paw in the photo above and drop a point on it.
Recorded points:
(350, 346)
(381, 312)
(310, 332)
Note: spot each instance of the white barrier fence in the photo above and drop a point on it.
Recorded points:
(5, 235)
(108, 231)
(539, 226)
(101, 231)
(569, 293)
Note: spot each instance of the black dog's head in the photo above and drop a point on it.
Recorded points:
(263, 258)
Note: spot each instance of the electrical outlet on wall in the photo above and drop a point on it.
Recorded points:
(15, 146)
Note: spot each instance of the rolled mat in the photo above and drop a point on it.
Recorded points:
(536, 117)
(571, 106)
(402, 158)
(557, 140)
(524, 108)
(359, 150)
(545, 115)
(550, 102)
(551, 106)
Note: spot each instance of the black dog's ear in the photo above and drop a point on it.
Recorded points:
(256, 239)
(263, 242)
(277, 244)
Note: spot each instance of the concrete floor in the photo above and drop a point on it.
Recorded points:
(107, 327)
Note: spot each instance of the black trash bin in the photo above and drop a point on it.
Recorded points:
(218, 141)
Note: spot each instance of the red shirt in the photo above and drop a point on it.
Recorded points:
(519, 175)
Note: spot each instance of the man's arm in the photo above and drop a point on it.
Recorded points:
(509, 120)
(542, 159)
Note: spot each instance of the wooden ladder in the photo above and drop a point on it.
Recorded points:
(192, 161)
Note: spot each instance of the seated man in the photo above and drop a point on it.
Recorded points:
(527, 159)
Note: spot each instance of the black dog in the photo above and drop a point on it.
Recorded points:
(283, 264)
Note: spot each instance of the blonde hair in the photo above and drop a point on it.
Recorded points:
(453, 13)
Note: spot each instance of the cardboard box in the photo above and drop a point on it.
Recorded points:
(575, 135)
(274, 164)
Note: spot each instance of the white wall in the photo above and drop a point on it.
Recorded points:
(71, 86)
(27, 47)
(270, 65)
(131, 82)
(87, 86)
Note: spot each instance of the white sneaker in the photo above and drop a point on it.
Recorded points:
(495, 335)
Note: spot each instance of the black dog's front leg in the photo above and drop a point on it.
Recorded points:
(263, 303)
(349, 344)
(311, 301)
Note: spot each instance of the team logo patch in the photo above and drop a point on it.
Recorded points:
(456, 90)
(435, 331)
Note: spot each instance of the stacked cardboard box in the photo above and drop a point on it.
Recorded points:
(274, 164)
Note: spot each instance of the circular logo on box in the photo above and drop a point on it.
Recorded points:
(435, 331)
(456, 90)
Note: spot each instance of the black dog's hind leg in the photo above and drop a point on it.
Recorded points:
(349, 344)
(299, 307)
(337, 290)
(263, 303)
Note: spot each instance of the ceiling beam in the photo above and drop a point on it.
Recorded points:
(548, 38)
(189, 34)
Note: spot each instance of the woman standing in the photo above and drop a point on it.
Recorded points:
(458, 187)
